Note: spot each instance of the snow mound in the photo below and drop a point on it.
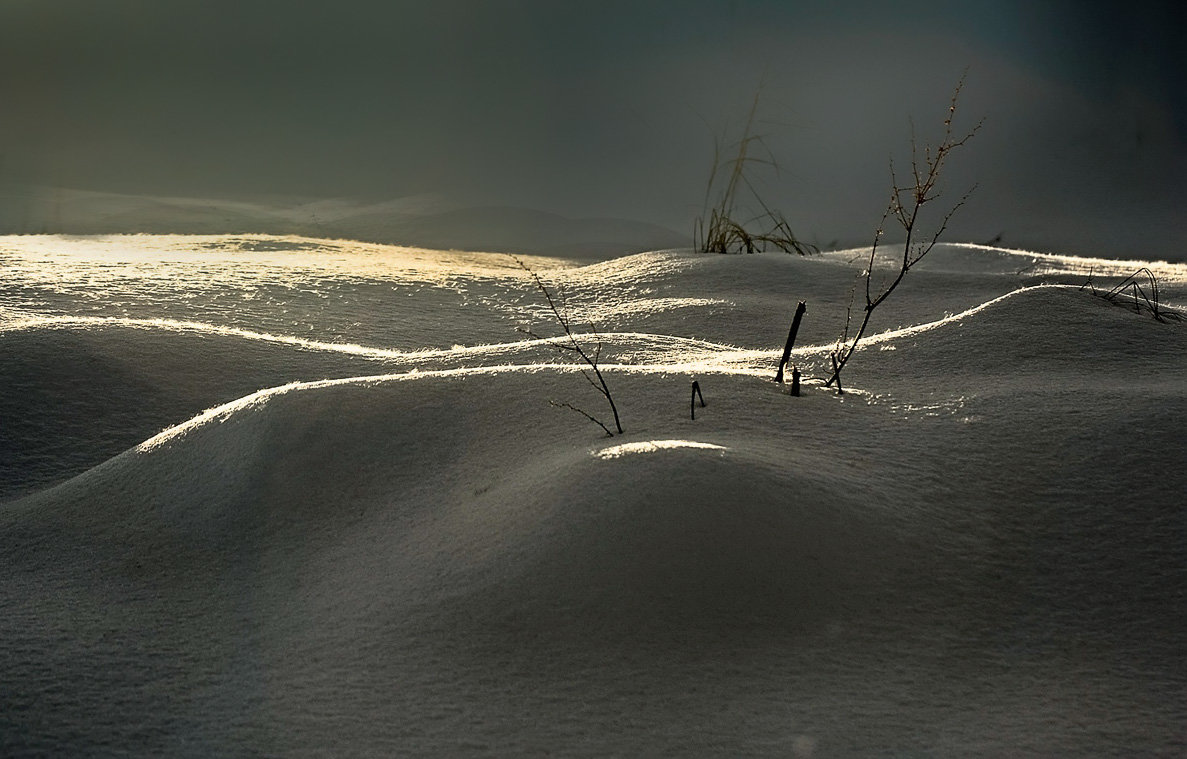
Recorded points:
(75, 397)
(442, 509)
(1050, 335)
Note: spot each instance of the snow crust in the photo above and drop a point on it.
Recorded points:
(230, 535)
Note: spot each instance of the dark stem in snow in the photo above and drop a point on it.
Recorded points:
(692, 401)
(795, 328)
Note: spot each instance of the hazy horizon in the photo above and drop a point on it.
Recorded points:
(609, 111)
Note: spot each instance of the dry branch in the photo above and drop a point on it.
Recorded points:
(906, 203)
(570, 344)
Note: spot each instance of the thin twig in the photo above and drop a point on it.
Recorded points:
(588, 416)
(573, 346)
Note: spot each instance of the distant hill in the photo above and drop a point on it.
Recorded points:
(420, 220)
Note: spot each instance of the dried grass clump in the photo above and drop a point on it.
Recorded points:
(719, 229)
(1137, 291)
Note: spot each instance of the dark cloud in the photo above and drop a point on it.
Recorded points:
(606, 108)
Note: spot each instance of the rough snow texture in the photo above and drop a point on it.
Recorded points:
(979, 550)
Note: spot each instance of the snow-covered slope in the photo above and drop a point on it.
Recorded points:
(978, 550)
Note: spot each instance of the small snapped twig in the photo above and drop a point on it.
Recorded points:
(791, 335)
(692, 401)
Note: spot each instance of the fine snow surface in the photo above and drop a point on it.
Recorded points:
(293, 497)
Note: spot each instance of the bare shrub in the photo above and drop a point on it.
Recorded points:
(570, 344)
(905, 207)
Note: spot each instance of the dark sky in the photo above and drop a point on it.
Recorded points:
(611, 108)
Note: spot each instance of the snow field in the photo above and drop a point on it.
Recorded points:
(977, 551)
